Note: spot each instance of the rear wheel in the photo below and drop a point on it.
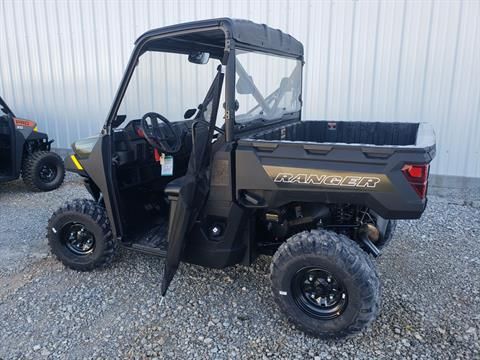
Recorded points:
(43, 171)
(79, 235)
(325, 284)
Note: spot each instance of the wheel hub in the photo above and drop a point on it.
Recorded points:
(78, 239)
(318, 293)
(47, 173)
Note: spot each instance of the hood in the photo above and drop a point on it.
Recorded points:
(83, 147)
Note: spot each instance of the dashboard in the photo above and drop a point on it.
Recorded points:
(135, 159)
(130, 145)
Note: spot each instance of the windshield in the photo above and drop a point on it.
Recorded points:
(267, 86)
(167, 83)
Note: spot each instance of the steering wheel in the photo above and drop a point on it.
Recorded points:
(163, 138)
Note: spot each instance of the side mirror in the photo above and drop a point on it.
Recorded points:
(189, 113)
(199, 57)
(244, 86)
(119, 119)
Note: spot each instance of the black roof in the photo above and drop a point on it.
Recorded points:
(246, 33)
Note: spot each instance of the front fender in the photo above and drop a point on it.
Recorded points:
(74, 165)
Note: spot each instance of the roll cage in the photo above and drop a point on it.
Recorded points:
(220, 38)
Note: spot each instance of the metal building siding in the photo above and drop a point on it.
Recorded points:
(61, 61)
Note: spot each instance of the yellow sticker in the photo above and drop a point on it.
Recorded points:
(76, 162)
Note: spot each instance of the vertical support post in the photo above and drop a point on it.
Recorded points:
(230, 91)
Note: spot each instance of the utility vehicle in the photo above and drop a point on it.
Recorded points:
(25, 151)
(241, 175)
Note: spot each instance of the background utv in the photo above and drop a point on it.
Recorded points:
(220, 190)
(25, 151)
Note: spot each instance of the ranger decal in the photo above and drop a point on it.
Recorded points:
(285, 176)
(349, 181)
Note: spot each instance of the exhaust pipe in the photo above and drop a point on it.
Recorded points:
(368, 235)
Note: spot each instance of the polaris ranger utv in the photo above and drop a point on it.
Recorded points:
(25, 151)
(241, 175)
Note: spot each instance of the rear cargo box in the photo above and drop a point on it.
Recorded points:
(355, 132)
(315, 161)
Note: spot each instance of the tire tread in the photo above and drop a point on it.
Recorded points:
(28, 170)
(346, 253)
(98, 214)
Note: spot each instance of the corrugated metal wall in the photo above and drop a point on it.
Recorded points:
(60, 61)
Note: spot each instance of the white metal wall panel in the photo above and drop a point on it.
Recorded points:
(61, 61)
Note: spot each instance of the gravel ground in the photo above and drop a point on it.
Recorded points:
(430, 277)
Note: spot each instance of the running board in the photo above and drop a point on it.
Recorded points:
(145, 249)
(154, 241)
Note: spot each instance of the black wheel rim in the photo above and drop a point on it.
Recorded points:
(78, 239)
(318, 293)
(47, 173)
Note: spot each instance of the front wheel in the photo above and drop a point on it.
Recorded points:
(325, 284)
(43, 171)
(79, 235)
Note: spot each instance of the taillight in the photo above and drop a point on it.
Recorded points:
(417, 176)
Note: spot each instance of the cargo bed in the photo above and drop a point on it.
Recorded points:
(336, 162)
(389, 134)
